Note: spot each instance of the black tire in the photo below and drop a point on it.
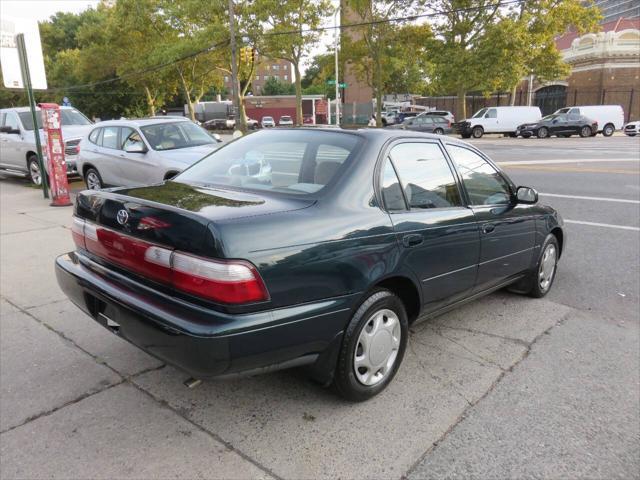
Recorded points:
(532, 284)
(608, 130)
(33, 167)
(438, 131)
(543, 132)
(170, 175)
(345, 381)
(585, 131)
(526, 135)
(512, 135)
(92, 179)
(477, 132)
(465, 135)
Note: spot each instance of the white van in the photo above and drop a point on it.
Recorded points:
(498, 120)
(609, 117)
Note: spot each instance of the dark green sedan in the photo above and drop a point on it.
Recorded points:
(306, 247)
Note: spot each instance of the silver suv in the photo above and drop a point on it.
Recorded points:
(141, 151)
(18, 142)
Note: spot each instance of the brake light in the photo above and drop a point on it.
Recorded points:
(223, 281)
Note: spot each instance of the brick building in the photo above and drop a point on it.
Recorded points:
(267, 68)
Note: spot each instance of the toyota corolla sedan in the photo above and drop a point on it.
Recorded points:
(143, 151)
(307, 247)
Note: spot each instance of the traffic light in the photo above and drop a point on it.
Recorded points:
(254, 54)
(243, 56)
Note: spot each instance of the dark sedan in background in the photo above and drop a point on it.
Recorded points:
(425, 123)
(315, 247)
(559, 124)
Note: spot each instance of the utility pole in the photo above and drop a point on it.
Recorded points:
(335, 47)
(234, 70)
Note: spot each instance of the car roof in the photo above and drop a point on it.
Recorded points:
(141, 122)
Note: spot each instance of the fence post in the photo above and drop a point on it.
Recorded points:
(630, 105)
(520, 97)
(498, 102)
(604, 94)
(575, 97)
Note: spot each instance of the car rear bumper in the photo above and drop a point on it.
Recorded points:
(203, 342)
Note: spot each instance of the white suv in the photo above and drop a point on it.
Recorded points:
(18, 142)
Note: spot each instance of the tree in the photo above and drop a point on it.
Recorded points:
(321, 69)
(379, 50)
(291, 34)
(273, 86)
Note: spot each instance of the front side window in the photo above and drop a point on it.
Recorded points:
(296, 162)
(175, 135)
(492, 113)
(483, 183)
(425, 176)
(11, 120)
(131, 138)
(110, 137)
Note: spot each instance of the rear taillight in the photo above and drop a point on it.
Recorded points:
(223, 281)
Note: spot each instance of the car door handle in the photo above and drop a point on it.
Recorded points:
(488, 227)
(412, 240)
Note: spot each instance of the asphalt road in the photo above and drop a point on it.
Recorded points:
(506, 387)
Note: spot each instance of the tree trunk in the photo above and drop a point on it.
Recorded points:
(513, 95)
(187, 97)
(151, 102)
(296, 67)
(461, 112)
(378, 84)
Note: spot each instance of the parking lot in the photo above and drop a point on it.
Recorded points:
(506, 387)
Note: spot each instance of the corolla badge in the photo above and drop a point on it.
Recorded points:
(122, 217)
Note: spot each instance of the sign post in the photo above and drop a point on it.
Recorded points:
(52, 126)
(26, 80)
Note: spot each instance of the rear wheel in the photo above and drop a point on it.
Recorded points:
(477, 132)
(93, 179)
(34, 170)
(543, 132)
(585, 131)
(608, 130)
(373, 347)
(438, 131)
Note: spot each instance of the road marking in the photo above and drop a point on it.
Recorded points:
(601, 199)
(605, 225)
(569, 160)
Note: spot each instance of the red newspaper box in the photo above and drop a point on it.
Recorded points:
(54, 148)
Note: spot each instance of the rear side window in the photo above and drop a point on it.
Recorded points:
(110, 137)
(391, 190)
(425, 176)
(483, 183)
(93, 136)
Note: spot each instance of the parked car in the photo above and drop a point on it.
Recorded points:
(497, 120)
(441, 113)
(361, 234)
(609, 117)
(267, 122)
(18, 142)
(424, 123)
(632, 128)
(389, 118)
(561, 125)
(141, 152)
(307, 119)
(285, 120)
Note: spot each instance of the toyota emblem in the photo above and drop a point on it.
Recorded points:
(122, 217)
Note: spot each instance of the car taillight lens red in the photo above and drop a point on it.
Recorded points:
(223, 281)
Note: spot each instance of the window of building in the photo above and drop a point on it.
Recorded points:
(226, 78)
(276, 67)
(257, 77)
(286, 77)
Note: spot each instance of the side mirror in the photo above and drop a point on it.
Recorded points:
(137, 147)
(7, 129)
(526, 195)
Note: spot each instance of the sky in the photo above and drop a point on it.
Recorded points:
(43, 9)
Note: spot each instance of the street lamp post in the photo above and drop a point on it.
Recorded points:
(335, 46)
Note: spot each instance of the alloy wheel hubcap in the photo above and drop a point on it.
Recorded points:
(547, 267)
(93, 182)
(34, 171)
(377, 347)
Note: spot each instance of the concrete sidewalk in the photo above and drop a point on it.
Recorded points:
(482, 391)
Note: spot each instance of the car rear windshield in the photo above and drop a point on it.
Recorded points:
(300, 162)
(174, 135)
(68, 117)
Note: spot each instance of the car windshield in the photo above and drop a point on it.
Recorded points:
(548, 118)
(300, 162)
(285, 118)
(174, 135)
(68, 117)
(480, 113)
(267, 119)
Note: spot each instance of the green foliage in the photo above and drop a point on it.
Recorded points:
(273, 86)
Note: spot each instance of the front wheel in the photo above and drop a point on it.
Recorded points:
(34, 170)
(585, 132)
(608, 130)
(542, 132)
(372, 348)
(438, 131)
(477, 132)
(93, 179)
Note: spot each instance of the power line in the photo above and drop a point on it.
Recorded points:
(289, 32)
